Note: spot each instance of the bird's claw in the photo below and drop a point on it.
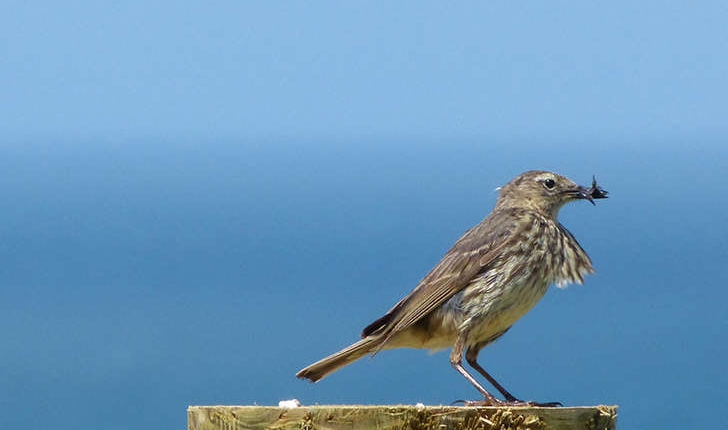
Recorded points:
(513, 402)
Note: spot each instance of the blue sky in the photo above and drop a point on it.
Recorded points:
(199, 200)
(425, 69)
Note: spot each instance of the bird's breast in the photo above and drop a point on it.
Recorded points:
(495, 300)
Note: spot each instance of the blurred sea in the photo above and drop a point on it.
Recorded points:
(150, 276)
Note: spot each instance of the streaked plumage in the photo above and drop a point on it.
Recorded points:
(495, 273)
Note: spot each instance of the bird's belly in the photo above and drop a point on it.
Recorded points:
(489, 311)
(483, 310)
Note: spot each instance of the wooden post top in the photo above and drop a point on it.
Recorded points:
(353, 417)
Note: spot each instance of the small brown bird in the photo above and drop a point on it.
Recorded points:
(495, 273)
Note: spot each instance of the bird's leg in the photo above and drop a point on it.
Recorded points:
(456, 359)
(472, 356)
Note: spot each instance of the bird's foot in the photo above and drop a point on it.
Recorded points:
(508, 402)
(532, 403)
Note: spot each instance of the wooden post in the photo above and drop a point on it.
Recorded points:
(352, 417)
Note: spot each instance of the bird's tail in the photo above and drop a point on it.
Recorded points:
(337, 360)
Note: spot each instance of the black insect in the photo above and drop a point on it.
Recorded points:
(595, 191)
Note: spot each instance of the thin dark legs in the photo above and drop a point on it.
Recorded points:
(471, 355)
(456, 359)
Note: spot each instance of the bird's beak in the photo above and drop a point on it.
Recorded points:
(591, 193)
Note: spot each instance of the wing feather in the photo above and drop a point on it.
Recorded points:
(470, 255)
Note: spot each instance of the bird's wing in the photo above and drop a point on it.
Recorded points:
(478, 247)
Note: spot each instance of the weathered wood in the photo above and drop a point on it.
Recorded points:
(400, 417)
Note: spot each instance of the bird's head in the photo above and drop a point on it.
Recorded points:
(545, 192)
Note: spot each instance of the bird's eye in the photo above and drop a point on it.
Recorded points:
(549, 183)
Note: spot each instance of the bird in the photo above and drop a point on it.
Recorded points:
(491, 277)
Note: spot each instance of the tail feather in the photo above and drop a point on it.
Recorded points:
(334, 362)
